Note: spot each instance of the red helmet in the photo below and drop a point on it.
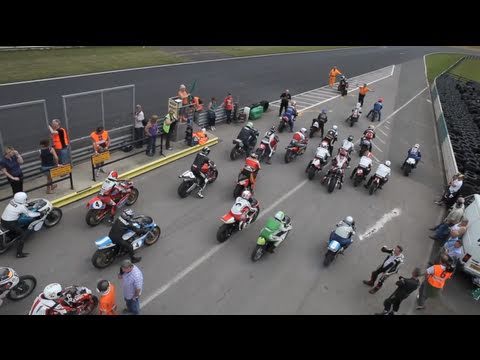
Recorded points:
(380, 100)
(343, 152)
(113, 175)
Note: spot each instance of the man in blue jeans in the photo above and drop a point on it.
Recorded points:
(132, 284)
(377, 107)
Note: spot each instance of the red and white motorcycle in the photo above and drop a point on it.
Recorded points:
(13, 286)
(238, 218)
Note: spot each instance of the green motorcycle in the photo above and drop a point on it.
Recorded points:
(265, 243)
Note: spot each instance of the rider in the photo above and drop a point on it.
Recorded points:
(369, 134)
(291, 114)
(198, 167)
(275, 227)
(48, 302)
(10, 216)
(344, 232)
(383, 172)
(300, 140)
(357, 109)
(322, 152)
(119, 228)
(251, 168)
(413, 153)
(378, 106)
(111, 187)
(340, 161)
(365, 163)
(348, 146)
(321, 120)
(273, 140)
(331, 137)
(248, 135)
(247, 201)
(343, 82)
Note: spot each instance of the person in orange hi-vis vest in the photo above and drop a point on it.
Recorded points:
(201, 136)
(333, 75)
(435, 278)
(362, 91)
(106, 303)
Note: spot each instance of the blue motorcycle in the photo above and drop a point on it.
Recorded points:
(107, 251)
(334, 248)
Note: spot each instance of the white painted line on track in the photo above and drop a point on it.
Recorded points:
(377, 147)
(428, 100)
(380, 223)
(386, 127)
(377, 138)
(408, 102)
(212, 251)
(382, 132)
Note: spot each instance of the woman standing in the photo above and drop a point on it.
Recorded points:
(10, 165)
(151, 132)
(49, 160)
(211, 116)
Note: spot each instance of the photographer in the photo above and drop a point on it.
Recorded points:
(404, 288)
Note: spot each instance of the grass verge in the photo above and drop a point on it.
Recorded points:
(436, 63)
(263, 50)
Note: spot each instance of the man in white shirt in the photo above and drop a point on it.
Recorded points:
(139, 127)
(453, 248)
(383, 172)
(450, 196)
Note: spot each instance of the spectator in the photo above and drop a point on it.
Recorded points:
(461, 227)
(200, 137)
(184, 96)
(10, 166)
(362, 91)
(334, 72)
(211, 115)
(228, 106)
(198, 108)
(388, 267)
(454, 217)
(151, 131)
(168, 128)
(61, 142)
(106, 302)
(453, 191)
(435, 278)
(49, 160)
(139, 126)
(132, 283)
(285, 97)
(404, 288)
(101, 143)
(453, 248)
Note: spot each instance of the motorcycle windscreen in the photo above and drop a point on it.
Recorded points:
(334, 246)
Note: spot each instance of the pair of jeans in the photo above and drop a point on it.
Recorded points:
(442, 231)
(17, 185)
(229, 116)
(63, 155)
(133, 306)
(151, 145)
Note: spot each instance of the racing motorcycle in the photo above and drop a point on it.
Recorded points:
(293, 150)
(78, 300)
(264, 148)
(235, 220)
(190, 182)
(343, 86)
(100, 206)
(283, 124)
(49, 216)
(15, 287)
(408, 166)
(316, 164)
(375, 184)
(243, 183)
(265, 243)
(359, 176)
(374, 115)
(107, 251)
(238, 150)
(353, 118)
(364, 146)
(333, 249)
(333, 178)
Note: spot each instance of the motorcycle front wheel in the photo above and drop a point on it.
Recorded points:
(132, 198)
(258, 252)
(94, 216)
(153, 236)
(53, 218)
(25, 287)
(372, 188)
(102, 259)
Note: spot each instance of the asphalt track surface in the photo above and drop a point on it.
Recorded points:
(186, 272)
(250, 80)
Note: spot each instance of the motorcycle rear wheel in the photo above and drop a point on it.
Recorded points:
(25, 287)
(53, 218)
(311, 173)
(153, 236)
(182, 189)
(372, 188)
(132, 198)
(331, 184)
(212, 180)
(224, 232)
(329, 256)
(406, 169)
(258, 252)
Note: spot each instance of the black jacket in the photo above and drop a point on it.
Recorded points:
(120, 227)
(199, 161)
(393, 266)
(285, 98)
(247, 135)
(405, 287)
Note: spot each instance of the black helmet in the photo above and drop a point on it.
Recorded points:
(350, 138)
(206, 150)
(103, 286)
(127, 214)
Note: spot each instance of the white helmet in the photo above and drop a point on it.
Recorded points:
(348, 220)
(371, 127)
(52, 291)
(417, 146)
(20, 198)
(388, 163)
(246, 194)
(358, 106)
(294, 103)
(303, 130)
(334, 127)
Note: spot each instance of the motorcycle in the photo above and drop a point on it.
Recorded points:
(283, 124)
(17, 287)
(354, 117)
(235, 220)
(107, 251)
(333, 249)
(264, 244)
(342, 87)
(364, 146)
(190, 182)
(243, 183)
(49, 216)
(375, 184)
(315, 127)
(333, 178)
(316, 164)
(293, 150)
(359, 176)
(78, 300)
(408, 166)
(264, 149)
(99, 207)
(374, 115)
(238, 150)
